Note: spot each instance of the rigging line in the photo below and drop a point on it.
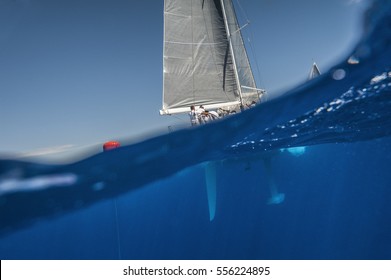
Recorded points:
(192, 51)
(250, 39)
(213, 52)
(240, 28)
(173, 128)
(178, 118)
(242, 10)
(234, 62)
(255, 60)
(117, 228)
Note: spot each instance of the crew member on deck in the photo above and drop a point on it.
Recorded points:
(194, 116)
(199, 112)
(214, 115)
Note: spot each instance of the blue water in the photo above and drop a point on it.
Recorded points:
(149, 200)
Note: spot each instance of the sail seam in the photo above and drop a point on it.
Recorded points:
(178, 15)
(182, 43)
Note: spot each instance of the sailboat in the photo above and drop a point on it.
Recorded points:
(204, 58)
(205, 63)
(314, 72)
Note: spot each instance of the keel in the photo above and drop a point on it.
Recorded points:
(275, 196)
(210, 179)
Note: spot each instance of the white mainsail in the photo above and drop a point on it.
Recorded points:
(204, 58)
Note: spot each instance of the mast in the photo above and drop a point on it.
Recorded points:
(239, 88)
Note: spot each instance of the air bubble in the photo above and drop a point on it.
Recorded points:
(339, 74)
(98, 186)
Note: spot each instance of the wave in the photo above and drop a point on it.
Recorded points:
(349, 103)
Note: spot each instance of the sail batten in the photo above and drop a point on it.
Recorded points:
(198, 65)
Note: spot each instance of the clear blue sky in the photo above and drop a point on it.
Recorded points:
(79, 72)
